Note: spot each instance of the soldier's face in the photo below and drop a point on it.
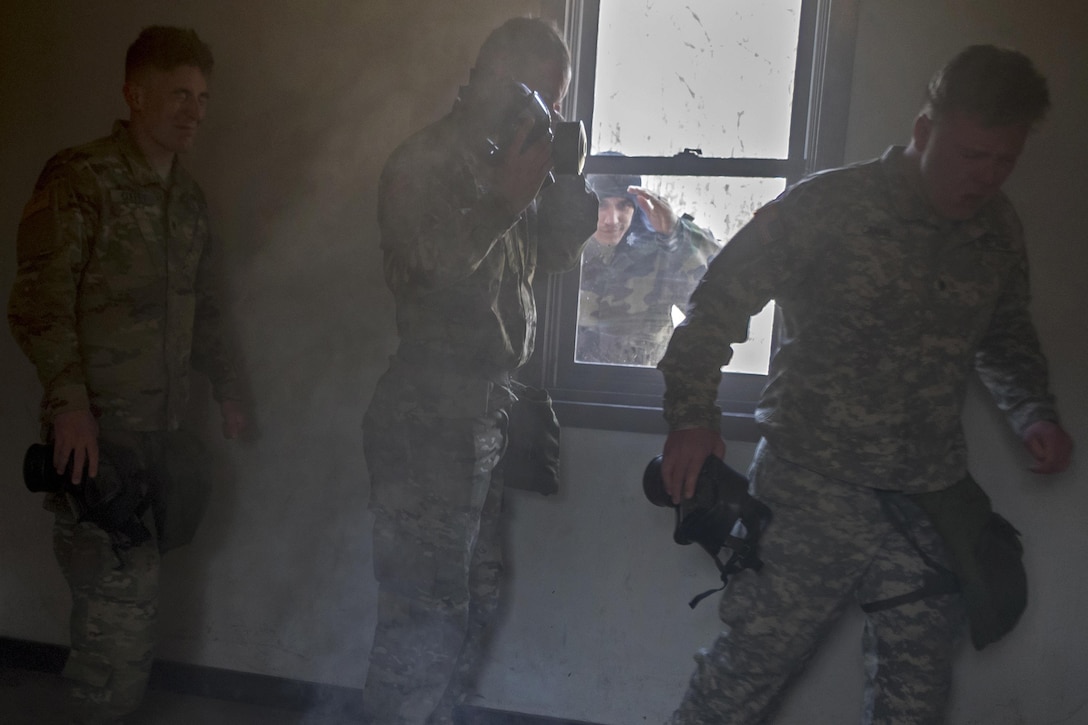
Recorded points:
(168, 106)
(550, 80)
(964, 163)
(614, 215)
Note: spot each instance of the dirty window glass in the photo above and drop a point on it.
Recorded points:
(713, 75)
(701, 79)
(713, 106)
(634, 292)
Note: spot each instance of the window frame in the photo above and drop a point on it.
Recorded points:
(617, 397)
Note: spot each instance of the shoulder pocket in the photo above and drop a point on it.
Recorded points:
(39, 230)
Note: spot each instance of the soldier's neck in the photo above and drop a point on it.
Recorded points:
(162, 165)
(160, 159)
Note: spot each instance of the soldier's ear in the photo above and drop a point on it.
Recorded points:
(134, 95)
(923, 127)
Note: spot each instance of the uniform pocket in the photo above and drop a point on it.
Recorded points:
(88, 668)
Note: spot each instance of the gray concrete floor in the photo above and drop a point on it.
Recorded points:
(36, 698)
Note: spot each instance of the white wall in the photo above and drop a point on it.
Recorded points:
(308, 99)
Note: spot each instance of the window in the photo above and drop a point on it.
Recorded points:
(714, 106)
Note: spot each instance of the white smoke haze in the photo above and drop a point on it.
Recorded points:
(307, 101)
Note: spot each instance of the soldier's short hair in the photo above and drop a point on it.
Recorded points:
(997, 86)
(521, 42)
(166, 48)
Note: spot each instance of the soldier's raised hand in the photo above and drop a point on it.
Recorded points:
(659, 212)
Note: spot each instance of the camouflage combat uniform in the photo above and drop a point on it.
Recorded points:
(886, 310)
(113, 302)
(461, 268)
(627, 292)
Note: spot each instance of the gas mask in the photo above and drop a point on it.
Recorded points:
(114, 500)
(500, 108)
(721, 514)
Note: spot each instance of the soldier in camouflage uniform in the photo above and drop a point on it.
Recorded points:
(114, 300)
(895, 279)
(642, 260)
(462, 236)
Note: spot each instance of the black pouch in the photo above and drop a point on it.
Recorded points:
(986, 555)
(531, 461)
(183, 488)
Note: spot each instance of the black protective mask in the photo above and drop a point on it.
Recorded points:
(114, 500)
(721, 514)
(498, 110)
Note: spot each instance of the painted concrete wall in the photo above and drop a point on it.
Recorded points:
(308, 99)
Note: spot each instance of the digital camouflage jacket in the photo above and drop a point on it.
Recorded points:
(886, 308)
(114, 298)
(459, 264)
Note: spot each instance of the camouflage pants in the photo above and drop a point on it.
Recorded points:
(437, 559)
(830, 544)
(112, 626)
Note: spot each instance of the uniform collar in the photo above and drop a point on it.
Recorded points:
(906, 198)
(138, 164)
(909, 203)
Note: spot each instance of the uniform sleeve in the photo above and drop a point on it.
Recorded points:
(213, 354)
(1009, 360)
(692, 248)
(763, 259)
(437, 222)
(55, 232)
(566, 219)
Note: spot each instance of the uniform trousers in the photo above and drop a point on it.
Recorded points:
(113, 620)
(829, 546)
(114, 584)
(437, 555)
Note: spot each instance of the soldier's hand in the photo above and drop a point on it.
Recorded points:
(662, 218)
(685, 452)
(521, 172)
(235, 419)
(75, 435)
(1049, 445)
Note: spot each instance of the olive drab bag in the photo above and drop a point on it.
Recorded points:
(531, 460)
(986, 555)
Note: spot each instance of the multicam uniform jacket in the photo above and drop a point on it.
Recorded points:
(886, 310)
(628, 290)
(114, 297)
(460, 265)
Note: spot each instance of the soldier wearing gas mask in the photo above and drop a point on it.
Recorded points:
(469, 212)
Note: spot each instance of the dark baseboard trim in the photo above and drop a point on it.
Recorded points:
(202, 681)
(251, 688)
(22, 654)
(472, 715)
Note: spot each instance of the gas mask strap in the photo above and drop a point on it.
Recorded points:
(744, 556)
